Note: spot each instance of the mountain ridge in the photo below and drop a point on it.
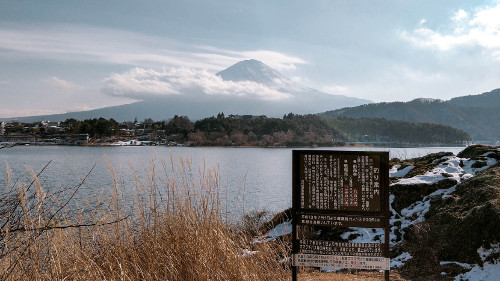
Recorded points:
(478, 115)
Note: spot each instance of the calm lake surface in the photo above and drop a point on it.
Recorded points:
(250, 178)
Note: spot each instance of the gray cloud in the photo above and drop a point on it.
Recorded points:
(479, 28)
(62, 84)
(142, 83)
(77, 43)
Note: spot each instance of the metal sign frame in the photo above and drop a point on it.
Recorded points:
(340, 189)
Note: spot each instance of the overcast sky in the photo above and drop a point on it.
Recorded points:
(60, 56)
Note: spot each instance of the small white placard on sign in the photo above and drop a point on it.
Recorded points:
(372, 263)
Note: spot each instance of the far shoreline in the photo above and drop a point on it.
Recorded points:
(313, 146)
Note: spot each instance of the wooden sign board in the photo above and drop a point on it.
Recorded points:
(340, 189)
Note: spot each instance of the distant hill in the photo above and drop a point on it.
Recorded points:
(478, 115)
(485, 100)
(383, 131)
(195, 103)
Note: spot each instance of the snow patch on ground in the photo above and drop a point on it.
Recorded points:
(489, 162)
(461, 264)
(448, 169)
(364, 235)
(485, 253)
(489, 270)
(415, 213)
(400, 260)
(279, 230)
(394, 172)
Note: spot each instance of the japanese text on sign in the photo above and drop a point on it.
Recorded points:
(340, 182)
(373, 263)
(340, 220)
(340, 248)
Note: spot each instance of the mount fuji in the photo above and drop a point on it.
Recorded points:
(246, 88)
(303, 99)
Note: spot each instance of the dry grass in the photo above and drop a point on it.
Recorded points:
(175, 232)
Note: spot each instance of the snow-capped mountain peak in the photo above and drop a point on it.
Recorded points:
(254, 71)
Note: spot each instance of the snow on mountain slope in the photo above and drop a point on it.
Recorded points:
(255, 71)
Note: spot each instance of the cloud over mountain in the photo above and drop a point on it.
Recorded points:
(142, 83)
(247, 87)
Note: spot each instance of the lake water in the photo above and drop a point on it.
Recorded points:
(250, 178)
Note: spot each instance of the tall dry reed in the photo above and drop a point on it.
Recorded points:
(175, 231)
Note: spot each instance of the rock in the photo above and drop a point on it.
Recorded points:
(422, 164)
(405, 195)
(474, 151)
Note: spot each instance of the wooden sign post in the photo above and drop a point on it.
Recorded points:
(340, 189)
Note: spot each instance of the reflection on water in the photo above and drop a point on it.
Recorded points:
(250, 178)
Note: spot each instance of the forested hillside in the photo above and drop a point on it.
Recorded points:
(394, 131)
(292, 130)
(478, 115)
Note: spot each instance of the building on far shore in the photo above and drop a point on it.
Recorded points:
(83, 139)
(2, 128)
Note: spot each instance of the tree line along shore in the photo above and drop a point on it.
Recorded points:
(234, 130)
